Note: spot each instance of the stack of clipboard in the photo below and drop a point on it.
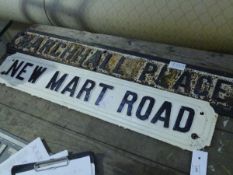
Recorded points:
(34, 159)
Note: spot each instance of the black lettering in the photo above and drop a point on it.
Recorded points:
(87, 88)
(71, 86)
(161, 75)
(184, 82)
(105, 87)
(219, 93)
(117, 69)
(165, 108)
(37, 72)
(148, 70)
(202, 86)
(23, 41)
(69, 52)
(189, 120)
(18, 40)
(92, 62)
(37, 43)
(46, 47)
(56, 50)
(55, 82)
(14, 68)
(103, 65)
(148, 110)
(81, 55)
(23, 70)
(128, 101)
(167, 77)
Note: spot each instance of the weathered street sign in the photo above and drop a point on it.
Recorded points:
(176, 119)
(9, 145)
(208, 85)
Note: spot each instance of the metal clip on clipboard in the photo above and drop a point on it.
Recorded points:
(50, 164)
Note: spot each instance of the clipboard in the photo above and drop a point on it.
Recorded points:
(72, 164)
(33, 152)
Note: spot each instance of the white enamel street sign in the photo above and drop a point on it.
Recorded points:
(179, 120)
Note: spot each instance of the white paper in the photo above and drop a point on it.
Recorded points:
(93, 169)
(33, 152)
(80, 166)
(176, 65)
(199, 163)
(59, 155)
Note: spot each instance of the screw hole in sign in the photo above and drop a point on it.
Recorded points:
(194, 136)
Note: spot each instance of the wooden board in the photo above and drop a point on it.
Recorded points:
(118, 151)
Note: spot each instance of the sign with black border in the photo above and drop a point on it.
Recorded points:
(173, 118)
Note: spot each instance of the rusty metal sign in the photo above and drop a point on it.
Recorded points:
(199, 83)
(182, 121)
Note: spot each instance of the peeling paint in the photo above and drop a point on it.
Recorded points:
(151, 71)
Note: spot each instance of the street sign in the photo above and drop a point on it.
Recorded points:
(176, 119)
(212, 86)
